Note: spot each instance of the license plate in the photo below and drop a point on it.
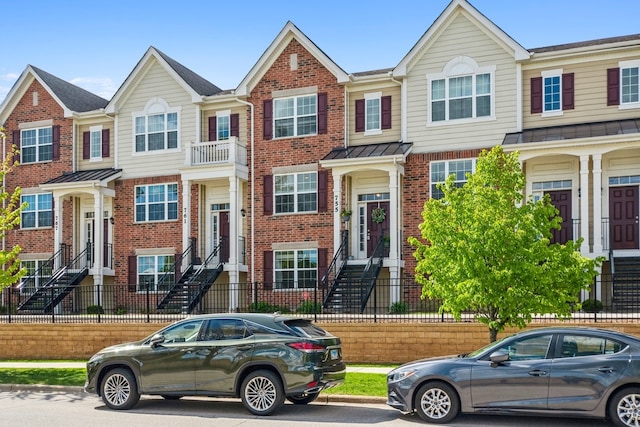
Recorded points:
(335, 354)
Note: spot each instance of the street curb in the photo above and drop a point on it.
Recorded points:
(323, 398)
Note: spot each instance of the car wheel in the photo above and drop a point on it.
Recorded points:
(437, 403)
(624, 407)
(119, 389)
(262, 392)
(303, 399)
(170, 397)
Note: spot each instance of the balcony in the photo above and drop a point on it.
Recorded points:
(227, 152)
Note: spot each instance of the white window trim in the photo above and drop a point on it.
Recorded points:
(369, 97)
(157, 274)
(93, 129)
(474, 162)
(37, 212)
(624, 65)
(459, 67)
(295, 193)
(166, 202)
(548, 74)
(295, 116)
(219, 114)
(152, 107)
(296, 270)
(37, 145)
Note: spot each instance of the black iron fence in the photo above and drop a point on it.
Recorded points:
(389, 301)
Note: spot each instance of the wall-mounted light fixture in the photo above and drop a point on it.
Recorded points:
(112, 221)
(243, 212)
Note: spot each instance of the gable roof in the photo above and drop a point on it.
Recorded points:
(454, 8)
(71, 98)
(196, 85)
(288, 32)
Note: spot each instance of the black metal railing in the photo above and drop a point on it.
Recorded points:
(336, 264)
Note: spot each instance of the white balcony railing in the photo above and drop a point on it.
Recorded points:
(229, 151)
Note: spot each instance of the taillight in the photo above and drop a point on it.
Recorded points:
(307, 347)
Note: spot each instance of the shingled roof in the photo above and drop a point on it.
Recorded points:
(73, 97)
(199, 84)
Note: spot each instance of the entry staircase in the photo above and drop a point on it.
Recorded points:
(625, 272)
(194, 282)
(48, 286)
(349, 286)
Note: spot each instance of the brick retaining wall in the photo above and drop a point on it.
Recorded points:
(362, 342)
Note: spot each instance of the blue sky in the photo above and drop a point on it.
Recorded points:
(95, 45)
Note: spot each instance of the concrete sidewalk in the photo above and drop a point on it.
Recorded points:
(81, 365)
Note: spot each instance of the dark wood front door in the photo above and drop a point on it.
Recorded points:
(224, 236)
(376, 230)
(623, 214)
(562, 201)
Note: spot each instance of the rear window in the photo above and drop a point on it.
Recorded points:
(306, 328)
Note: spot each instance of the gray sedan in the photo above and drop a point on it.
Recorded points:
(571, 372)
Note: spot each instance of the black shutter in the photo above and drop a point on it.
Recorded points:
(567, 91)
(322, 266)
(322, 113)
(267, 118)
(86, 145)
(613, 86)
(536, 95)
(385, 120)
(267, 193)
(213, 128)
(105, 143)
(267, 270)
(132, 270)
(235, 125)
(359, 115)
(16, 141)
(56, 142)
(323, 194)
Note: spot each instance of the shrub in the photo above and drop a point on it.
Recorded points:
(592, 306)
(309, 307)
(399, 308)
(95, 309)
(121, 310)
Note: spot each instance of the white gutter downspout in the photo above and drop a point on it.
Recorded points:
(253, 209)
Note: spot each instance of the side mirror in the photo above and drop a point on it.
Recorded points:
(498, 357)
(156, 340)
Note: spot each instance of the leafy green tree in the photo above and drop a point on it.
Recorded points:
(485, 249)
(10, 210)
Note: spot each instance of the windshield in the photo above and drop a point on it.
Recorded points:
(479, 351)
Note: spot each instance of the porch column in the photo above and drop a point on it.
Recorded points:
(234, 218)
(98, 243)
(186, 218)
(394, 208)
(337, 207)
(57, 235)
(597, 204)
(584, 203)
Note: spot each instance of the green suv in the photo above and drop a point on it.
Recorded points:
(261, 358)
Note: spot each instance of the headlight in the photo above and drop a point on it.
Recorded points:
(399, 375)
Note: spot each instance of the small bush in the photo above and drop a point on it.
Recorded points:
(95, 309)
(121, 310)
(592, 306)
(309, 307)
(399, 308)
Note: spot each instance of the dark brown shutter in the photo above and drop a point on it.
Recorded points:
(613, 86)
(267, 276)
(235, 125)
(86, 145)
(359, 115)
(385, 120)
(267, 192)
(323, 194)
(536, 95)
(322, 265)
(56, 142)
(267, 118)
(322, 113)
(567, 91)
(105, 143)
(132, 270)
(16, 141)
(213, 128)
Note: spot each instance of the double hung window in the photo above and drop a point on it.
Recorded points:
(155, 272)
(39, 210)
(296, 192)
(295, 116)
(157, 202)
(296, 269)
(441, 170)
(36, 145)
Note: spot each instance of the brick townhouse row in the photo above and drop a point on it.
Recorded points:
(174, 181)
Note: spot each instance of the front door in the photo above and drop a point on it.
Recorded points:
(375, 230)
(623, 213)
(220, 235)
(562, 201)
(90, 238)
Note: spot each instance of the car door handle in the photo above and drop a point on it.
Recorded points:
(607, 369)
(537, 373)
(244, 347)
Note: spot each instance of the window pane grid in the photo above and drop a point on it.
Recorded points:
(461, 97)
(156, 202)
(36, 145)
(39, 211)
(297, 269)
(630, 91)
(156, 132)
(151, 269)
(295, 116)
(296, 193)
(441, 170)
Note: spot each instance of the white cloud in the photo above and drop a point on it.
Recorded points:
(101, 86)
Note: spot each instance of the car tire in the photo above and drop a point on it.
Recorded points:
(262, 392)
(119, 389)
(437, 402)
(623, 407)
(303, 399)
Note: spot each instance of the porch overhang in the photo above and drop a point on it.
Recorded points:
(367, 155)
(82, 179)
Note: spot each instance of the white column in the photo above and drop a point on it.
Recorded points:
(98, 215)
(394, 271)
(584, 203)
(186, 218)
(57, 221)
(337, 206)
(234, 218)
(597, 204)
